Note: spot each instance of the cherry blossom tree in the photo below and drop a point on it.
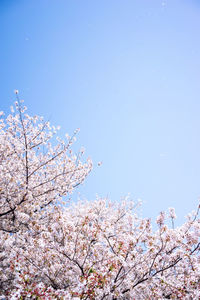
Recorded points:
(34, 174)
(88, 250)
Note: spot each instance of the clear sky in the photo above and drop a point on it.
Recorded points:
(127, 72)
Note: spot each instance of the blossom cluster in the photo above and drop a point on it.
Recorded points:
(89, 250)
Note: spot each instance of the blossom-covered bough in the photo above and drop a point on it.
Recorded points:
(34, 175)
(88, 250)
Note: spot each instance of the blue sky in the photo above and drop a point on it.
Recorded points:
(128, 74)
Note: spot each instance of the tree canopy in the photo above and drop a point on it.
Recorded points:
(88, 250)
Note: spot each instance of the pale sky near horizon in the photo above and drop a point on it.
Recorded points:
(127, 73)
